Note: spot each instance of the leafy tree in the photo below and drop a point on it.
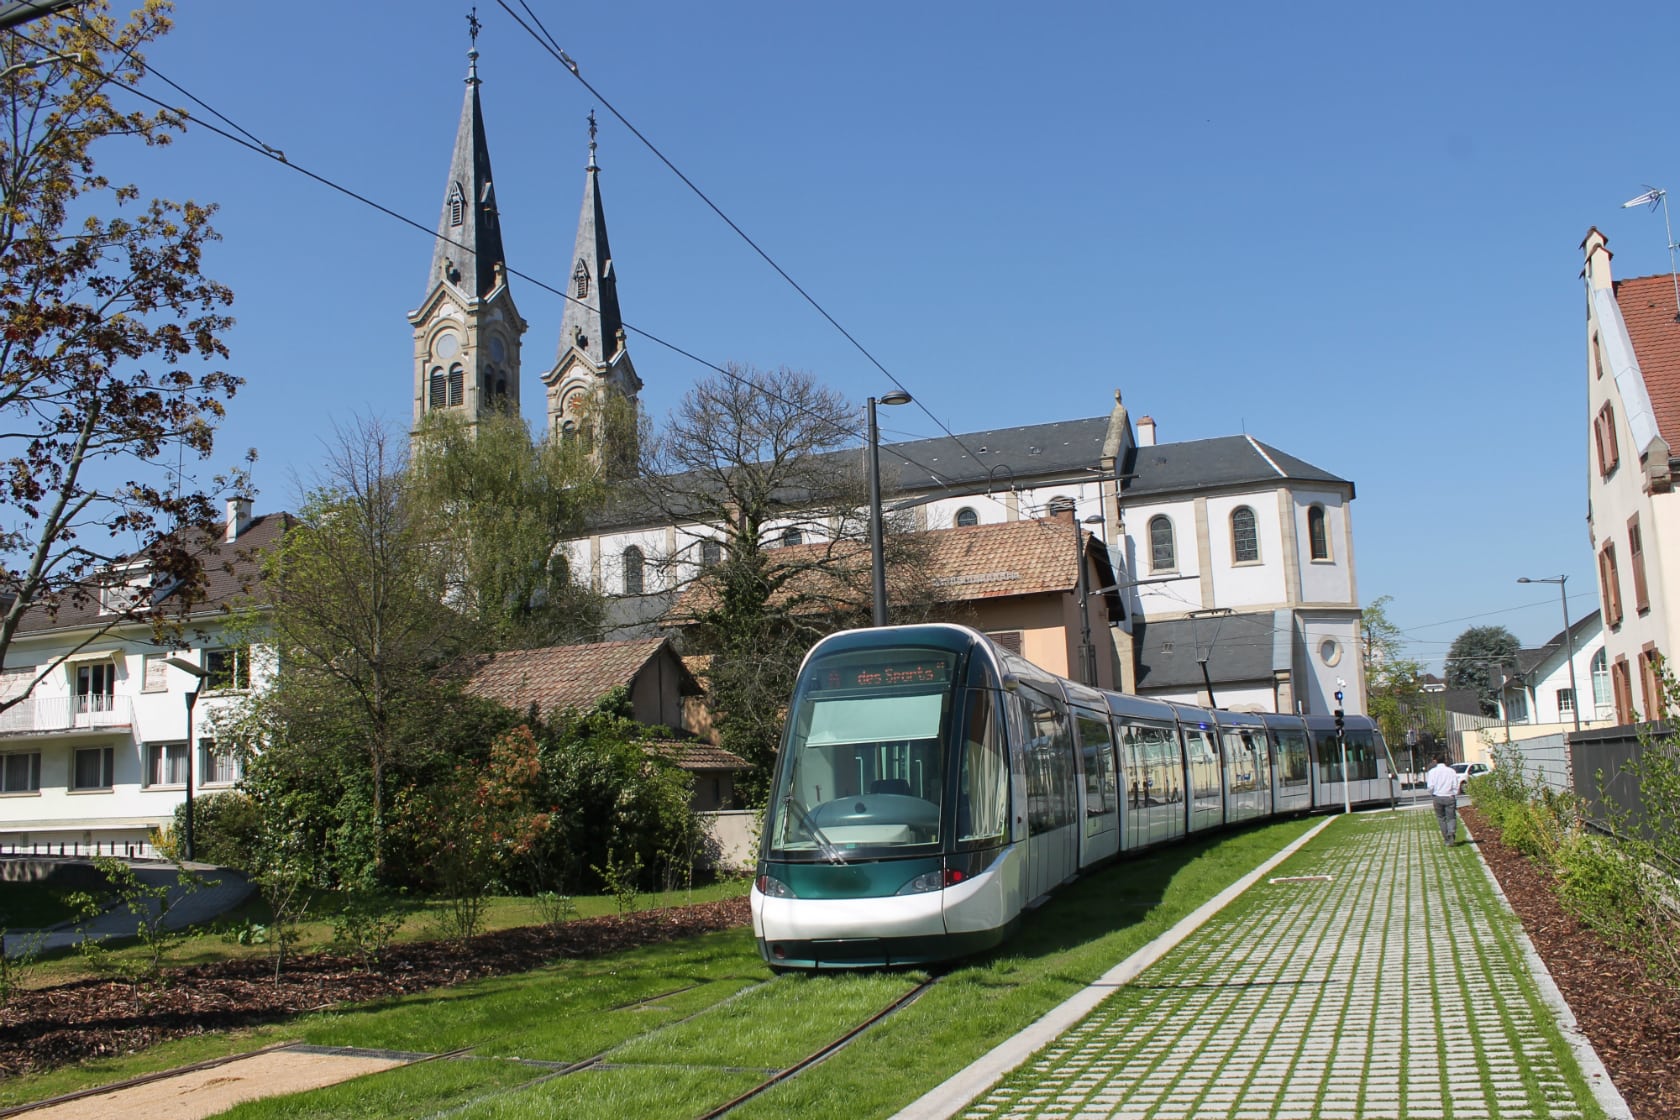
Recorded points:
(1473, 654)
(1394, 684)
(105, 323)
(743, 459)
(501, 505)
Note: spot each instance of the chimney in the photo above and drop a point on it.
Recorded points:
(238, 517)
(1061, 506)
(1146, 431)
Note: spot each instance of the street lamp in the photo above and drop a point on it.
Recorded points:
(878, 609)
(198, 673)
(1568, 640)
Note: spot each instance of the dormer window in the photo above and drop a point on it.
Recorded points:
(457, 205)
(580, 281)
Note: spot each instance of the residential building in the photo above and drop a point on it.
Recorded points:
(1542, 692)
(99, 754)
(1633, 514)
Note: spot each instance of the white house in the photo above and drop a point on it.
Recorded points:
(98, 755)
(1544, 694)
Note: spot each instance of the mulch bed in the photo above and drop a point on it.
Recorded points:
(67, 1023)
(1633, 1023)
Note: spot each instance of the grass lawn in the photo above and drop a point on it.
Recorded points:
(688, 1025)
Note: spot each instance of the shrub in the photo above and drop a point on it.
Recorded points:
(227, 831)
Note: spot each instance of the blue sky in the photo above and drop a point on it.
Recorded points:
(1347, 230)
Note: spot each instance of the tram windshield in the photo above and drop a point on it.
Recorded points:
(862, 769)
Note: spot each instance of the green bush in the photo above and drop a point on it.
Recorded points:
(227, 829)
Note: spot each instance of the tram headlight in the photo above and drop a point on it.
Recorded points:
(926, 881)
(771, 887)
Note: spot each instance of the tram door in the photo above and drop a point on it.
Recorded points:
(1153, 779)
(1102, 805)
(1293, 773)
(1048, 766)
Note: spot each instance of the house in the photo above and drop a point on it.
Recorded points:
(1633, 514)
(111, 739)
(1542, 692)
(579, 677)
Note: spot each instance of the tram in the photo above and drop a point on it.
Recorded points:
(931, 787)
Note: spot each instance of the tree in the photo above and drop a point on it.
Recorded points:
(501, 504)
(1394, 684)
(102, 308)
(1474, 655)
(742, 461)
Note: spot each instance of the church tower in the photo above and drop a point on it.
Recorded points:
(593, 377)
(467, 330)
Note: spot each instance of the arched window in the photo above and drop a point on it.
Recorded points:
(711, 552)
(435, 392)
(1163, 555)
(966, 517)
(792, 536)
(457, 387)
(632, 571)
(1245, 537)
(1601, 680)
(1318, 534)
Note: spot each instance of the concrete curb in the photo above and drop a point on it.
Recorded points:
(955, 1092)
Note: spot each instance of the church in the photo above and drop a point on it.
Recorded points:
(1230, 561)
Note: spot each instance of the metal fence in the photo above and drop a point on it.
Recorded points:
(1600, 773)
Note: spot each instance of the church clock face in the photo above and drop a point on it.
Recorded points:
(574, 402)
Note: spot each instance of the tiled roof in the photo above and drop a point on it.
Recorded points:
(1648, 309)
(561, 677)
(231, 574)
(697, 756)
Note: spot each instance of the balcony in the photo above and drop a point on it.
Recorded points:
(90, 714)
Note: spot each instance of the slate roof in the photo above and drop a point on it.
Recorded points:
(1530, 659)
(231, 572)
(1239, 647)
(1648, 309)
(556, 678)
(473, 248)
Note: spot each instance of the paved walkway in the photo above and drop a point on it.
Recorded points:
(1376, 973)
(221, 891)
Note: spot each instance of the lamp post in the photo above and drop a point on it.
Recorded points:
(198, 674)
(1568, 640)
(878, 609)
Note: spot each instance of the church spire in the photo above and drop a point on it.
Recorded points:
(591, 321)
(469, 246)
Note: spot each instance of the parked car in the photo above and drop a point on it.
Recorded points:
(1468, 770)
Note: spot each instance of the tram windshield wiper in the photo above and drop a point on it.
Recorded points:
(824, 844)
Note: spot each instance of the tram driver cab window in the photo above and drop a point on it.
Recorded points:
(983, 783)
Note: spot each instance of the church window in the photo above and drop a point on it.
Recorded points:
(580, 281)
(1318, 533)
(1163, 553)
(633, 566)
(447, 345)
(966, 517)
(457, 205)
(1245, 536)
(457, 386)
(501, 388)
(435, 389)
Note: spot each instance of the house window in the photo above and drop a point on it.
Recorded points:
(791, 537)
(95, 684)
(217, 767)
(1163, 556)
(20, 772)
(1245, 536)
(92, 768)
(633, 565)
(1636, 561)
(1565, 704)
(1601, 680)
(711, 552)
(1610, 585)
(966, 517)
(155, 676)
(1516, 705)
(1318, 533)
(1650, 683)
(166, 764)
(230, 669)
(1598, 358)
(1604, 436)
(457, 387)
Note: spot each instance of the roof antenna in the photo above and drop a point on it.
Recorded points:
(1655, 196)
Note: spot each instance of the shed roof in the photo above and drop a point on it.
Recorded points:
(556, 678)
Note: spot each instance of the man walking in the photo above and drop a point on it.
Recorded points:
(1443, 789)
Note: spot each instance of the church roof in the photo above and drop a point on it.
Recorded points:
(591, 321)
(469, 244)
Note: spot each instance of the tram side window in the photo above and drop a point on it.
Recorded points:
(1329, 758)
(1294, 759)
(1362, 755)
(983, 791)
(1098, 748)
(1204, 763)
(1048, 763)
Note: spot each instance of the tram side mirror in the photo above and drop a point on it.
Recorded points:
(1011, 682)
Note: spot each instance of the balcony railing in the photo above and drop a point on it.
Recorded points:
(48, 715)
